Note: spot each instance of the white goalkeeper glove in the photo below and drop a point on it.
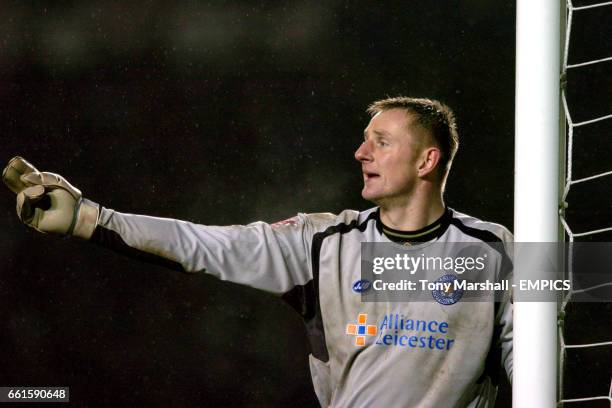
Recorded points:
(48, 203)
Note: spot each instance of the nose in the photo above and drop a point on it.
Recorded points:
(363, 152)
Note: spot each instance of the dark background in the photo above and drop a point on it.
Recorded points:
(227, 113)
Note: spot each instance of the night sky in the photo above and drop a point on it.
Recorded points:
(227, 113)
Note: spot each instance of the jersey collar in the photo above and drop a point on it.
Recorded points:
(427, 233)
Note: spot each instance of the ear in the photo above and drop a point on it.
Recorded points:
(430, 157)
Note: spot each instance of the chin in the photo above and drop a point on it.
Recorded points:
(371, 196)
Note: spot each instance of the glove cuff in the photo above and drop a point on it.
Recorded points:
(86, 219)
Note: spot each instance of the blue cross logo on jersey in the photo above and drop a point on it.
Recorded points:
(361, 329)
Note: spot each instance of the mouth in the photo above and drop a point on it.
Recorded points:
(370, 175)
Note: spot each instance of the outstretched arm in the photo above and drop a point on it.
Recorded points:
(274, 258)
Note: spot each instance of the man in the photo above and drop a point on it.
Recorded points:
(392, 354)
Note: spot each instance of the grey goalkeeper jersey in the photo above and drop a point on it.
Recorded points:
(364, 354)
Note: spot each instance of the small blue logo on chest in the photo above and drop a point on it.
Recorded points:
(447, 294)
(361, 286)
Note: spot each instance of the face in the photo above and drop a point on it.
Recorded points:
(389, 157)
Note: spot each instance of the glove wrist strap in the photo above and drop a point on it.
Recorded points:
(86, 219)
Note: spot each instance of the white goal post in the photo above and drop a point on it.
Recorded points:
(536, 192)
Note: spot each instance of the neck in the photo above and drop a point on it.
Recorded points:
(413, 213)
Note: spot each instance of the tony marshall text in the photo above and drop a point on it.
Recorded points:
(447, 287)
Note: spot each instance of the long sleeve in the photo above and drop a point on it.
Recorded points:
(274, 257)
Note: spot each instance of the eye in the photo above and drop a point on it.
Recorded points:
(382, 142)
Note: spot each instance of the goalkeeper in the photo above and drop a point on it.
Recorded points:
(312, 261)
